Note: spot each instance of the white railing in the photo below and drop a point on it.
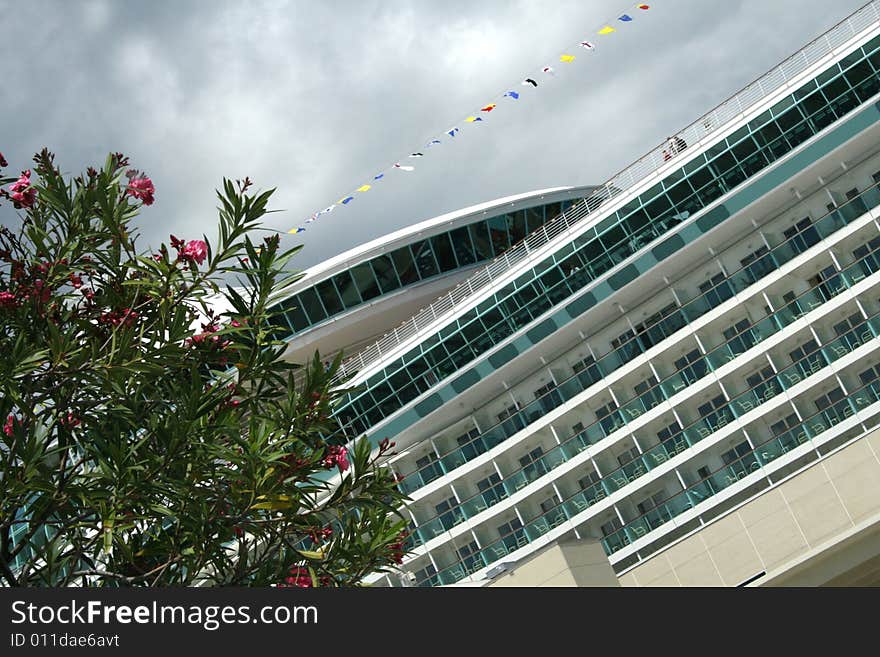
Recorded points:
(705, 126)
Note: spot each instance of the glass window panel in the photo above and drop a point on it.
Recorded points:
(405, 266)
(790, 119)
(464, 249)
(498, 232)
(516, 226)
(745, 149)
(330, 297)
(481, 240)
(534, 218)
(312, 305)
(552, 210)
(424, 257)
(858, 73)
(782, 105)
(443, 251)
(366, 281)
(384, 270)
(680, 192)
(700, 178)
(613, 237)
(835, 88)
(347, 290)
(294, 313)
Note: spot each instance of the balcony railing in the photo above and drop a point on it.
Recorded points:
(688, 312)
(762, 454)
(691, 434)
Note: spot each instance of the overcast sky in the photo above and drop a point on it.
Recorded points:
(315, 98)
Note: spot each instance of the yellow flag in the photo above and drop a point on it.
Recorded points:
(566, 58)
(607, 30)
(363, 188)
(470, 119)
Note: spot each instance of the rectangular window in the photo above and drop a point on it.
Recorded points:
(763, 383)
(649, 393)
(611, 526)
(405, 266)
(867, 255)
(511, 420)
(549, 397)
(512, 534)
(739, 337)
(443, 251)
(312, 305)
(716, 290)
(491, 489)
(464, 250)
(808, 358)
(588, 480)
(609, 419)
(736, 453)
(692, 366)
(424, 259)
(448, 513)
(383, 267)
(758, 264)
(347, 291)
(329, 296)
(428, 468)
(587, 371)
(802, 235)
(779, 428)
(627, 456)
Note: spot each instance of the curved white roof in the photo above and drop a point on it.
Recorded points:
(425, 228)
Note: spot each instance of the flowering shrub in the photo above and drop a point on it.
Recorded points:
(150, 439)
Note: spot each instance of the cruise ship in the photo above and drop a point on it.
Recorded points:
(671, 378)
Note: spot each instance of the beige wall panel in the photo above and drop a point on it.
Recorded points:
(698, 571)
(776, 537)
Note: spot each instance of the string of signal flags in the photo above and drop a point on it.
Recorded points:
(510, 96)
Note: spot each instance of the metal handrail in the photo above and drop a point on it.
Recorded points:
(707, 125)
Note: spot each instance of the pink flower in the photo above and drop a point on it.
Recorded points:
(7, 428)
(142, 189)
(23, 195)
(336, 456)
(8, 300)
(195, 250)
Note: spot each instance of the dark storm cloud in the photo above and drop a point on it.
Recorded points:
(316, 98)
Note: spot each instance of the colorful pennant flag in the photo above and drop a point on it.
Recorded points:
(453, 132)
